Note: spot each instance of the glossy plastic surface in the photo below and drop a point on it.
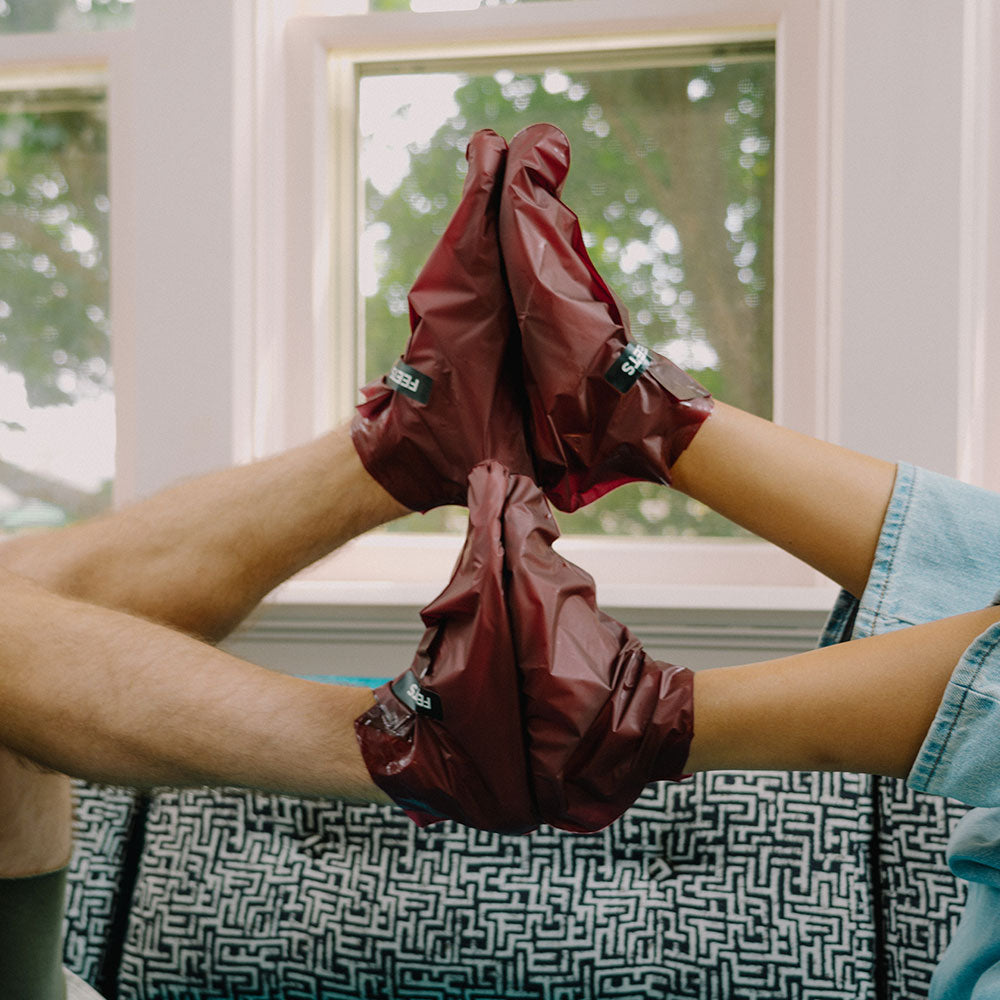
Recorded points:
(601, 414)
(455, 748)
(525, 703)
(603, 718)
(457, 398)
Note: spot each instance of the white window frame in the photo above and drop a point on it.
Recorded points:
(323, 54)
(181, 103)
(90, 59)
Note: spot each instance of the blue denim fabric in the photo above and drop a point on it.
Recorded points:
(939, 555)
(970, 967)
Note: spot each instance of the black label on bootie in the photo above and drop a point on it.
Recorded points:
(410, 693)
(409, 381)
(628, 366)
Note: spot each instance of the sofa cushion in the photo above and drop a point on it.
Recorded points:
(99, 884)
(731, 884)
(921, 900)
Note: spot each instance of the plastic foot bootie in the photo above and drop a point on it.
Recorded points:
(445, 739)
(603, 718)
(455, 397)
(604, 411)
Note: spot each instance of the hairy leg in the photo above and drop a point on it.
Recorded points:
(35, 817)
(822, 503)
(101, 695)
(201, 555)
(86, 691)
(862, 706)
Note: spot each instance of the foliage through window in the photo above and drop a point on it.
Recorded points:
(57, 431)
(672, 177)
(63, 15)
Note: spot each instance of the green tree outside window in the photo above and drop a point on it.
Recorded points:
(672, 177)
(54, 327)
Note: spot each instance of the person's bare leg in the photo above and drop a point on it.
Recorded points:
(862, 706)
(198, 557)
(95, 693)
(822, 503)
(201, 555)
(116, 699)
(121, 700)
(35, 817)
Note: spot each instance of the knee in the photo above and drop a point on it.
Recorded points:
(36, 817)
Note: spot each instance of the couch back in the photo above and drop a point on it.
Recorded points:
(734, 884)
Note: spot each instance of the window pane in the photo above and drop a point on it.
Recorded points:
(57, 432)
(673, 181)
(63, 15)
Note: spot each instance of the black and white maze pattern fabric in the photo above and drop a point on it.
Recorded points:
(102, 821)
(732, 886)
(922, 900)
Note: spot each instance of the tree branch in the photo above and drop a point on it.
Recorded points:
(76, 502)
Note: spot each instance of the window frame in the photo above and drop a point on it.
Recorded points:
(325, 55)
(90, 58)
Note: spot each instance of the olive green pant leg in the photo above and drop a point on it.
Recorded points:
(31, 922)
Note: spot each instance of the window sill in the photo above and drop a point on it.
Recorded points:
(399, 569)
(358, 612)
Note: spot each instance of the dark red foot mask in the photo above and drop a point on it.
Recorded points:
(603, 718)
(516, 655)
(604, 410)
(445, 740)
(454, 398)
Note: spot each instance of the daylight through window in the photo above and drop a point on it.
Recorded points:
(673, 180)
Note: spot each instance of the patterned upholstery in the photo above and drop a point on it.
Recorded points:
(749, 885)
(102, 825)
(731, 885)
(921, 900)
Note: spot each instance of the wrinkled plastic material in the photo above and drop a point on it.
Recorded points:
(549, 710)
(603, 718)
(596, 421)
(468, 765)
(457, 398)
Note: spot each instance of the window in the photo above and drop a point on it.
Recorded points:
(57, 421)
(57, 404)
(513, 55)
(672, 177)
(64, 15)
(228, 214)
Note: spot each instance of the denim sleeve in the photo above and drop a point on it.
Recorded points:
(939, 555)
(960, 757)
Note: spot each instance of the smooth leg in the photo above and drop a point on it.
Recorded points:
(201, 555)
(822, 503)
(862, 706)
